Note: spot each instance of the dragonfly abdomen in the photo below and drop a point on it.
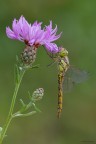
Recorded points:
(60, 93)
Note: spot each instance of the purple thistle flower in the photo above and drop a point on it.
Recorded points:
(33, 35)
(50, 36)
(25, 32)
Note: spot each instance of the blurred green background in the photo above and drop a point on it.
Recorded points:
(77, 125)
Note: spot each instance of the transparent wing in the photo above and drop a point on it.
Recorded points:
(72, 77)
(68, 84)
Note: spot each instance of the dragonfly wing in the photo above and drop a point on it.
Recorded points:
(72, 77)
(78, 75)
(68, 84)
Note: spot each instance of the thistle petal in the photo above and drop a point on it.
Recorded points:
(51, 47)
(33, 35)
(10, 33)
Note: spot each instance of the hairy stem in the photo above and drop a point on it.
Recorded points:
(9, 118)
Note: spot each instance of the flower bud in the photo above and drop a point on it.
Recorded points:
(38, 94)
(28, 56)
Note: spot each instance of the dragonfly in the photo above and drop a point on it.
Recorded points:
(67, 75)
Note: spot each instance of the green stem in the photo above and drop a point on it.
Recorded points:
(9, 118)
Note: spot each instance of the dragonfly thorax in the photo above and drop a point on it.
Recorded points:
(66, 60)
(63, 52)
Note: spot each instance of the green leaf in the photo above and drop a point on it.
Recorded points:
(24, 115)
(35, 66)
(17, 59)
(1, 129)
(38, 110)
(29, 95)
(22, 103)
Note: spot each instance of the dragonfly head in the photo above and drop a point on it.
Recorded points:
(63, 52)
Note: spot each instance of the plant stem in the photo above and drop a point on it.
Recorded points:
(9, 118)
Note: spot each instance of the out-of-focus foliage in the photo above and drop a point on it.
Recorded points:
(77, 20)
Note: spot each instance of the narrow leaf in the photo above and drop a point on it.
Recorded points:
(25, 115)
(22, 103)
(38, 110)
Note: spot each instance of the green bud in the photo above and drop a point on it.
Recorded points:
(38, 94)
(28, 56)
